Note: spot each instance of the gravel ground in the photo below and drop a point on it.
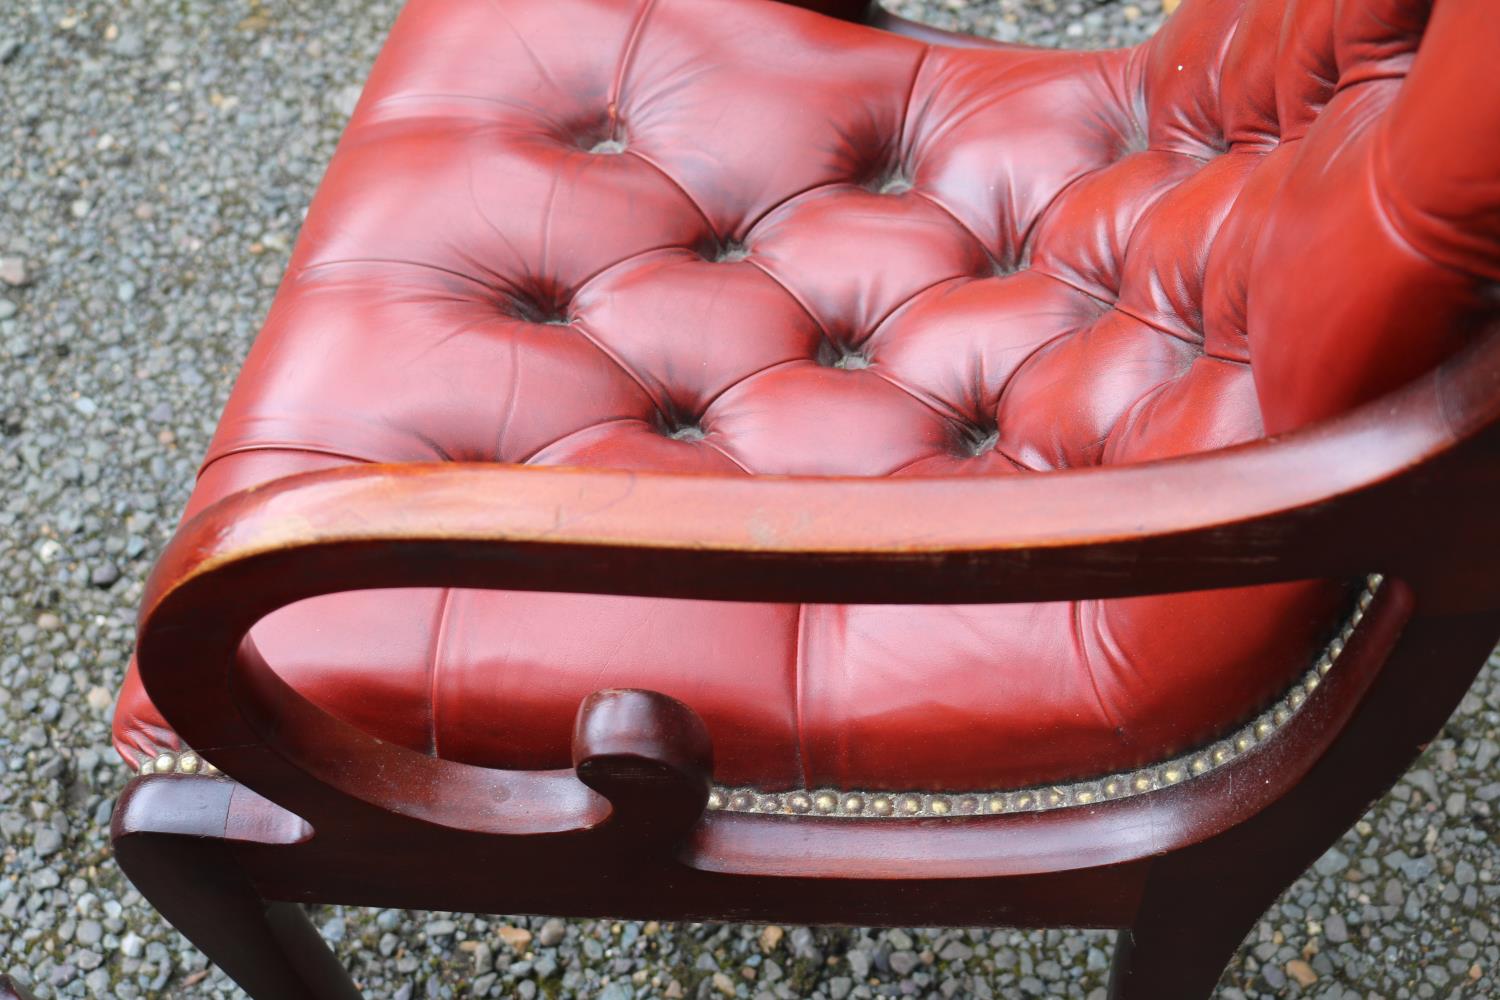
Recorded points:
(155, 159)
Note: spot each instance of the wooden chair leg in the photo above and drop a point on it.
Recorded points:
(1201, 902)
(1182, 939)
(180, 860)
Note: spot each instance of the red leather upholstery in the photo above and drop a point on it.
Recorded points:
(740, 238)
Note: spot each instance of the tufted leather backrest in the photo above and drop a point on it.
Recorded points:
(1379, 248)
(1359, 230)
(733, 236)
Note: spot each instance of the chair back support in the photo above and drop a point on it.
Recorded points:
(1352, 152)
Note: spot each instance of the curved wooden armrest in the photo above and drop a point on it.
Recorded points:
(1401, 486)
(1381, 489)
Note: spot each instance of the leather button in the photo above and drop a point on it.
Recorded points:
(976, 439)
(730, 251)
(894, 182)
(832, 354)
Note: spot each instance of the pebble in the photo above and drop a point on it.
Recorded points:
(47, 842)
(1332, 862)
(518, 938)
(552, 932)
(13, 271)
(1301, 971)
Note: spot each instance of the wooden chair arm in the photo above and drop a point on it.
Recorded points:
(1403, 486)
(1388, 488)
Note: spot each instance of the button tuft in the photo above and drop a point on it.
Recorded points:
(680, 426)
(975, 440)
(605, 147)
(529, 309)
(891, 182)
(730, 251)
(845, 356)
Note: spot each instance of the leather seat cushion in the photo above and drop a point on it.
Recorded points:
(738, 238)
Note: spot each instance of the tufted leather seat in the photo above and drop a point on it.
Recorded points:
(739, 238)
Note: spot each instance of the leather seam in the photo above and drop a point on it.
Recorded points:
(424, 265)
(1088, 667)
(1019, 468)
(1158, 327)
(891, 380)
(648, 161)
(1140, 403)
(747, 378)
(627, 56)
(665, 248)
(793, 295)
(214, 457)
(722, 451)
(1038, 349)
(434, 661)
(1023, 249)
(1105, 305)
(933, 200)
(774, 207)
(893, 310)
(903, 139)
(531, 455)
(630, 373)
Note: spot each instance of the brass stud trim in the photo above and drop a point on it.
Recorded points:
(178, 762)
(911, 805)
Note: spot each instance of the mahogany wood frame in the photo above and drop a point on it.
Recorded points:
(1404, 486)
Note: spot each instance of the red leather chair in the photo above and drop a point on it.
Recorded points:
(716, 460)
